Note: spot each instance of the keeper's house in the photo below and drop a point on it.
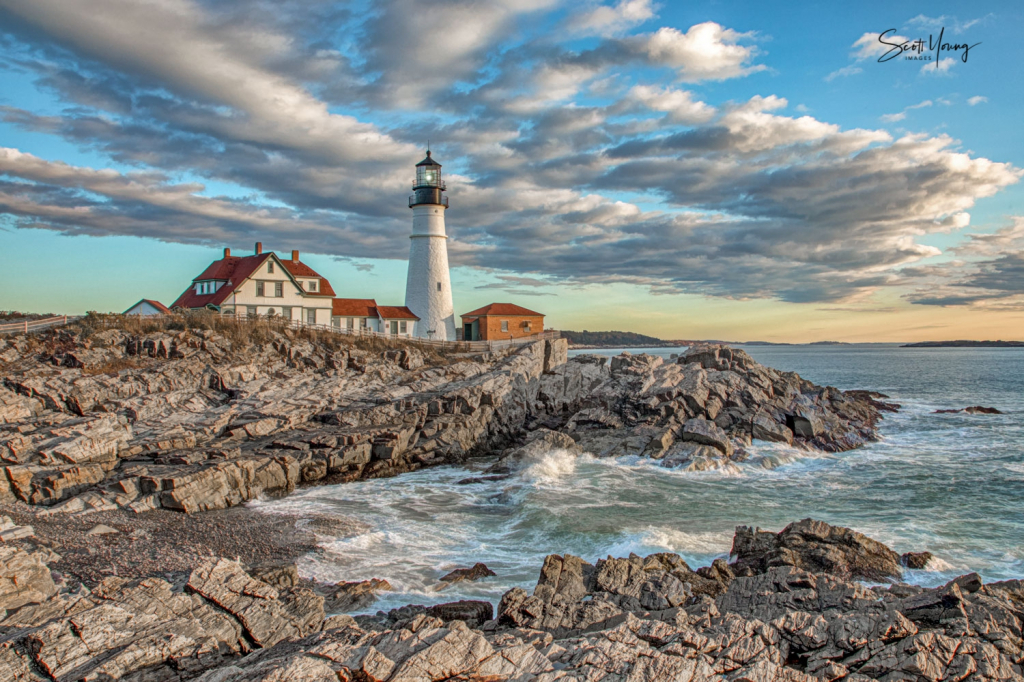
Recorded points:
(501, 321)
(361, 314)
(261, 284)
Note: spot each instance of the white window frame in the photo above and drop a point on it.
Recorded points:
(504, 325)
(261, 288)
(403, 327)
(270, 267)
(278, 289)
(311, 285)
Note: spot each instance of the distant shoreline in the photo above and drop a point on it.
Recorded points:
(964, 344)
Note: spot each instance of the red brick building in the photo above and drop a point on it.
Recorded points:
(501, 321)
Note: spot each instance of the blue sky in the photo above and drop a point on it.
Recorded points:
(733, 170)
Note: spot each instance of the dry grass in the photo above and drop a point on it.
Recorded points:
(245, 332)
(112, 367)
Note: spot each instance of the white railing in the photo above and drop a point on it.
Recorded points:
(468, 346)
(28, 326)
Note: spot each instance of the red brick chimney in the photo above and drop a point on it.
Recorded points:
(227, 253)
(259, 248)
(295, 256)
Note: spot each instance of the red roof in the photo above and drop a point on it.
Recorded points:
(354, 307)
(503, 309)
(156, 304)
(233, 269)
(300, 269)
(395, 312)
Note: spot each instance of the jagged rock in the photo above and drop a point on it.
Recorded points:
(814, 546)
(477, 572)
(916, 560)
(267, 615)
(355, 595)
(24, 578)
(763, 427)
(974, 409)
(700, 430)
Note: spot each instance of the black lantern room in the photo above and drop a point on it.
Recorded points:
(429, 186)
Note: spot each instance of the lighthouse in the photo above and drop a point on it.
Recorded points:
(428, 287)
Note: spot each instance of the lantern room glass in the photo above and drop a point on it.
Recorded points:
(428, 176)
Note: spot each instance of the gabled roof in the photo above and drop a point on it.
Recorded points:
(503, 309)
(233, 269)
(395, 312)
(354, 307)
(300, 269)
(156, 304)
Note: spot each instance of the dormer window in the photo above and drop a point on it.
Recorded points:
(311, 285)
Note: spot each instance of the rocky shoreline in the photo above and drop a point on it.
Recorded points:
(128, 552)
(789, 607)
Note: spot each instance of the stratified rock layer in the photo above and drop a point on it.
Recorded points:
(183, 421)
(636, 618)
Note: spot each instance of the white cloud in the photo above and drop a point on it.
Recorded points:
(950, 23)
(706, 51)
(939, 68)
(843, 72)
(868, 45)
(678, 104)
(977, 99)
(891, 118)
(606, 20)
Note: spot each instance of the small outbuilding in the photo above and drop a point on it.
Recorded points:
(147, 308)
(501, 321)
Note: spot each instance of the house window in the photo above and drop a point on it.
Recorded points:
(364, 323)
(526, 325)
(286, 313)
(394, 326)
(402, 327)
(250, 311)
(336, 322)
(439, 286)
(311, 316)
(350, 323)
(270, 267)
(504, 325)
(278, 289)
(311, 285)
(259, 289)
(271, 312)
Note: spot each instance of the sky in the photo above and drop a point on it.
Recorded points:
(715, 170)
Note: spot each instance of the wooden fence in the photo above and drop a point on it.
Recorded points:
(29, 326)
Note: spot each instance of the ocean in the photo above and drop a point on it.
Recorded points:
(952, 484)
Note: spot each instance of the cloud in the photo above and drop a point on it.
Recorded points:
(569, 162)
(850, 70)
(977, 99)
(607, 20)
(950, 23)
(678, 104)
(868, 46)
(939, 68)
(706, 51)
(899, 116)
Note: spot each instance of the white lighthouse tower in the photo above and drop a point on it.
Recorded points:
(428, 288)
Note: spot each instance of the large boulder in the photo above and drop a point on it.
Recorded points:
(817, 547)
(24, 578)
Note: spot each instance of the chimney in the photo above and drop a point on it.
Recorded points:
(259, 248)
(295, 256)
(227, 253)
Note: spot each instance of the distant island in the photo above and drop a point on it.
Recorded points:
(614, 340)
(965, 344)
